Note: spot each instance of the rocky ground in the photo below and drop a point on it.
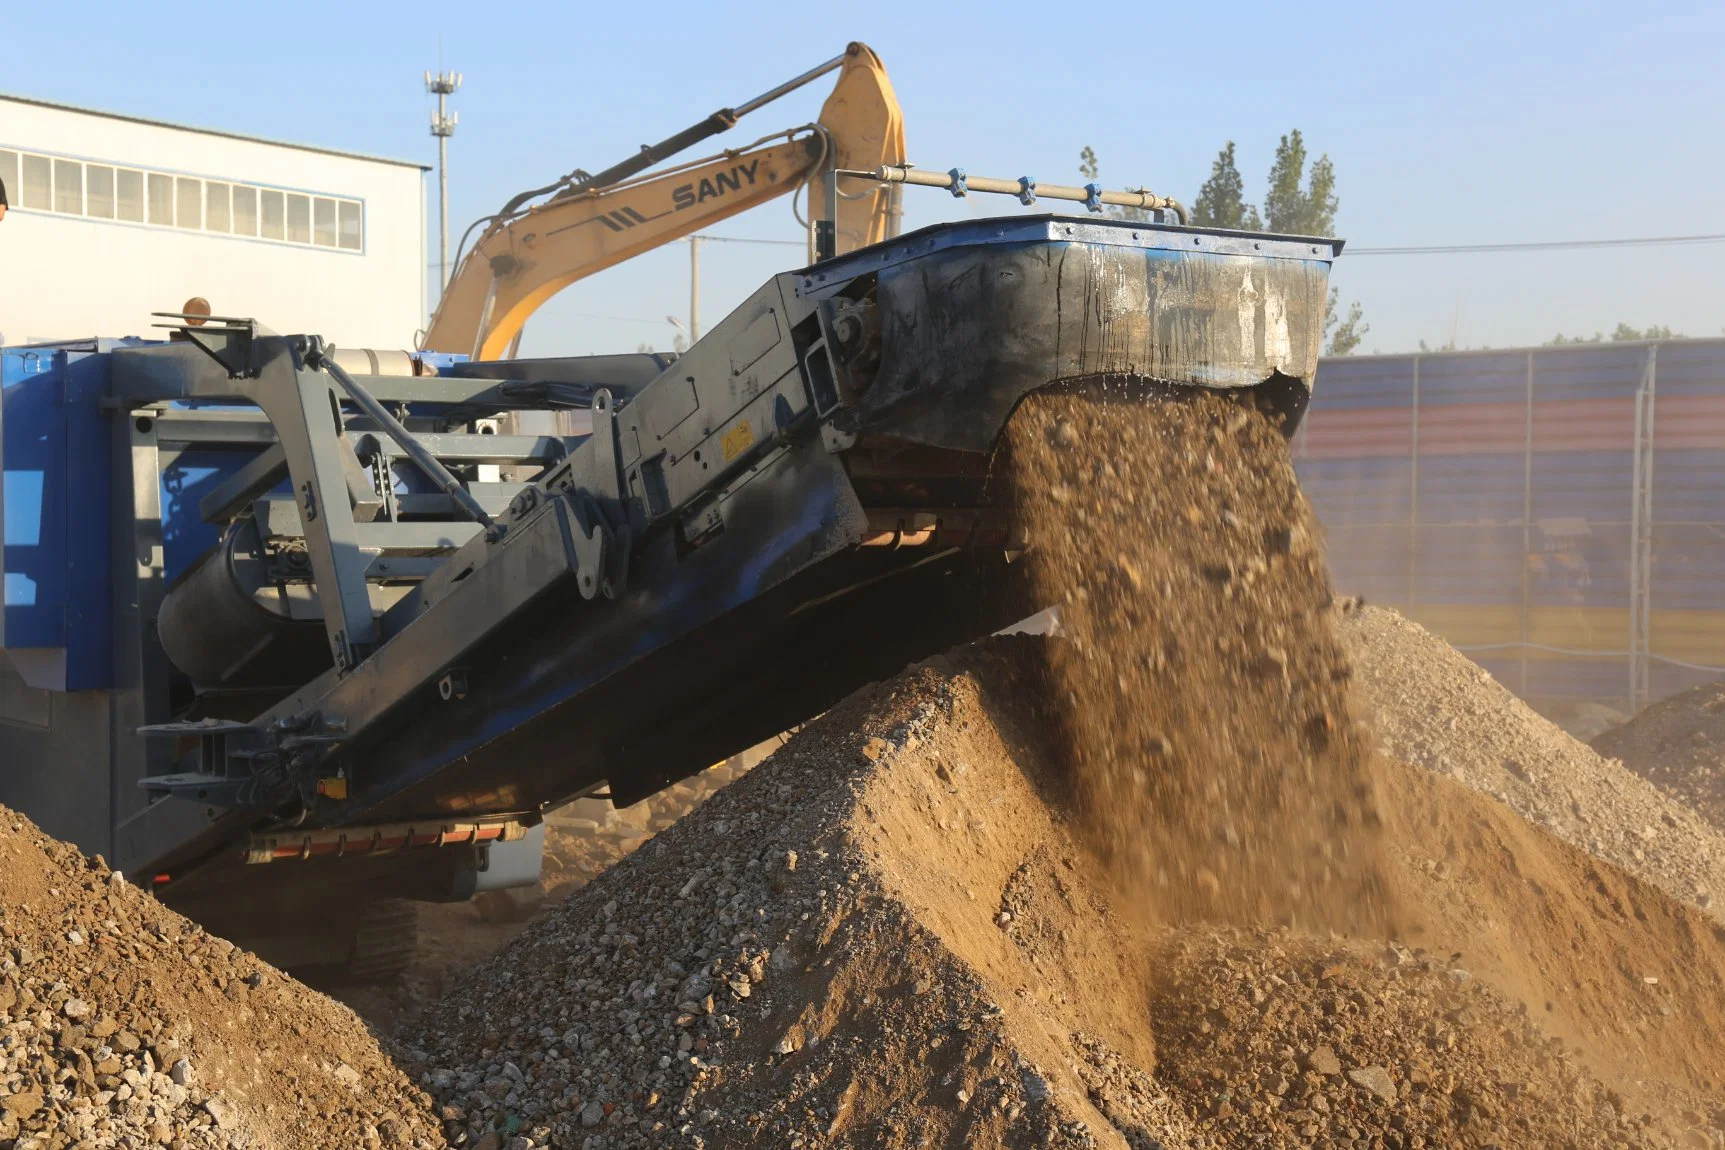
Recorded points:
(124, 1024)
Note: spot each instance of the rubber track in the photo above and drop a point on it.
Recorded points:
(385, 942)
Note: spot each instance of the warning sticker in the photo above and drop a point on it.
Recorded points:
(737, 440)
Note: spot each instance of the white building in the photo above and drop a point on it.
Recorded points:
(113, 217)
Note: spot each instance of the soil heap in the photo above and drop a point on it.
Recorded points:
(1678, 745)
(1433, 708)
(124, 1024)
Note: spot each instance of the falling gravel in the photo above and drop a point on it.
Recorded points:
(1202, 685)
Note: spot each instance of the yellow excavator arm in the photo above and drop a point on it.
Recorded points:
(524, 259)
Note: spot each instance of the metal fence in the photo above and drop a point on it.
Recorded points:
(1558, 512)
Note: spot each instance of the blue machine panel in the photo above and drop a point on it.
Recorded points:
(54, 491)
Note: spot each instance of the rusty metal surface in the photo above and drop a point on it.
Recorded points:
(969, 327)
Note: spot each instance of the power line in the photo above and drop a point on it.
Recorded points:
(1409, 249)
(1543, 246)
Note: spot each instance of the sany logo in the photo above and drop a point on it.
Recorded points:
(691, 194)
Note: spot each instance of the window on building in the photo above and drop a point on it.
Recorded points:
(161, 199)
(323, 222)
(273, 216)
(216, 206)
(129, 195)
(189, 203)
(99, 190)
(245, 210)
(37, 184)
(69, 187)
(298, 219)
(104, 191)
(350, 226)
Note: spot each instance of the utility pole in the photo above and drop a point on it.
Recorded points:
(694, 289)
(443, 122)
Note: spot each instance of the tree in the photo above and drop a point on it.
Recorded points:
(1288, 208)
(1623, 332)
(1221, 202)
(1091, 169)
(1296, 202)
(1344, 334)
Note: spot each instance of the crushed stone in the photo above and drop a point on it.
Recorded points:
(124, 1024)
(1678, 745)
(1433, 708)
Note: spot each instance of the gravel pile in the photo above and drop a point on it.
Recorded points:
(891, 934)
(751, 977)
(1433, 708)
(1296, 1041)
(588, 836)
(123, 1024)
(1678, 745)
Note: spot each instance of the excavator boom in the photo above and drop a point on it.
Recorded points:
(523, 260)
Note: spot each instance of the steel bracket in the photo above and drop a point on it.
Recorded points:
(229, 340)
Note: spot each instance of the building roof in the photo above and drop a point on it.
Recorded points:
(212, 132)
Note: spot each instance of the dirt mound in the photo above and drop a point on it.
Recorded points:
(892, 934)
(1433, 708)
(1678, 745)
(1202, 685)
(122, 1023)
(1632, 977)
(755, 975)
(1301, 1041)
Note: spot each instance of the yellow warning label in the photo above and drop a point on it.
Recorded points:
(737, 440)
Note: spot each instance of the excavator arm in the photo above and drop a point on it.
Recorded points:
(523, 260)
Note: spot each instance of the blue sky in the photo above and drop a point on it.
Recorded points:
(1448, 123)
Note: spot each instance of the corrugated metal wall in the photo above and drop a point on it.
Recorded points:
(1556, 512)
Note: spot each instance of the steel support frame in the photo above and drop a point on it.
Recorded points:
(143, 826)
(305, 409)
(303, 413)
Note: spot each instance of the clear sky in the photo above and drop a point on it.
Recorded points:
(1447, 123)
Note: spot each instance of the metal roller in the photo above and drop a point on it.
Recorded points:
(227, 624)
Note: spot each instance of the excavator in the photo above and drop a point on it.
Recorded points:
(545, 239)
(296, 636)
